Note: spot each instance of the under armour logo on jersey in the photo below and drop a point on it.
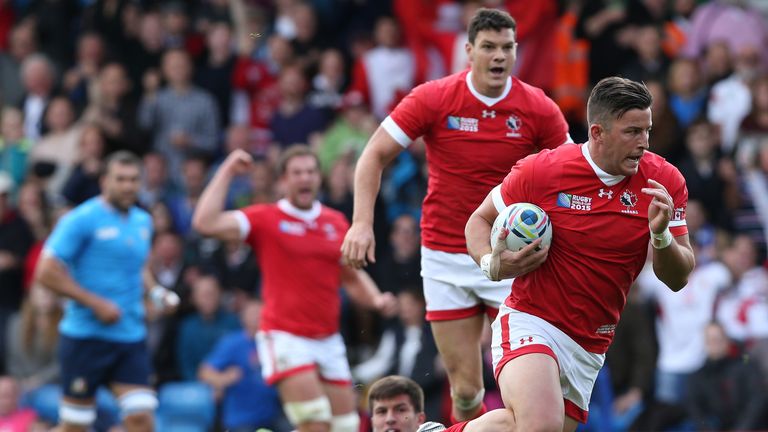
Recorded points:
(524, 340)
(487, 114)
(605, 193)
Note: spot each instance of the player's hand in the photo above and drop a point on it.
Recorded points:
(514, 264)
(106, 311)
(386, 304)
(661, 207)
(359, 245)
(238, 162)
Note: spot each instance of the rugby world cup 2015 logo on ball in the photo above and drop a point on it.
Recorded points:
(526, 222)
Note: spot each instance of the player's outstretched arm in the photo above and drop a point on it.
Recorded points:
(358, 247)
(673, 258)
(52, 274)
(498, 262)
(210, 219)
(363, 291)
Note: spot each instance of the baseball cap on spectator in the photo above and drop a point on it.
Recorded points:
(6, 183)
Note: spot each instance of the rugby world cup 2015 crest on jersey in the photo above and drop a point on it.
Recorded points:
(574, 202)
(629, 200)
(464, 124)
(514, 124)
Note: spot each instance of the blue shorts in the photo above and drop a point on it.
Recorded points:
(87, 364)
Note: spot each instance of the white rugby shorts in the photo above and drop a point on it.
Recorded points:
(456, 288)
(283, 354)
(517, 333)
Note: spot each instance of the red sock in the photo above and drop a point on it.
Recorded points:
(483, 409)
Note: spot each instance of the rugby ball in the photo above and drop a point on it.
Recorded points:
(526, 222)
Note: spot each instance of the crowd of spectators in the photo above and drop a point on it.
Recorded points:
(183, 83)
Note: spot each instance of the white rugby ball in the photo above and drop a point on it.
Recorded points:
(526, 222)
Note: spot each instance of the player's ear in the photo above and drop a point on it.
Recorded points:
(595, 131)
(468, 49)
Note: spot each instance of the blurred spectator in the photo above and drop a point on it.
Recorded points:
(338, 186)
(705, 238)
(743, 310)
(114, 110)
(232, 368)
(680, 321)
(603, 24)
(22, 45)
(295, 120)
(705, 177)
(237, 137)
(386, 73)
(330, 81)
(35, 209)
(143, 52)
(156, 186)
(408, 349)
(15, 240)
(727, 393)
(667, 139)
(401, 266)
(751, 214)
(53, 20)
(182, 118)
(167, 259)
(349, 134)
(200, 331)
(38, 78)
(309, 40)
(214, 72)
(83, 182)
(650, 62)
(181, 205)
(161, 219)
(717, 63)
(178, 32)
(32, 340)
(14, 146)
(631, 358)
(756, 122)
(734, 22)
(210, 12)
(687, 94)
(60, 145)
(730, 99)
(13, 418)
(78, 79)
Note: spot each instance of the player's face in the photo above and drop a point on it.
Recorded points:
(492, 58)
(623, 142)
(302, 181)
(120, 185)
(395, 415)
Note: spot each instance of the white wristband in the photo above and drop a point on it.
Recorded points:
(661, 241)
(485, 265)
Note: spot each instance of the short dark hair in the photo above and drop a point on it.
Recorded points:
(612, 97)
(292, 152)
(120, 157)
(490, 19)
(393, 386)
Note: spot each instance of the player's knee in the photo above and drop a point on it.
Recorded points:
(345, 423)
(139, 422)
(138, 404)
(76, 417)
(467, 398)
(315, 410)
(544, 421)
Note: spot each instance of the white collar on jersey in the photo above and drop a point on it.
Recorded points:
(489, 101)
(607, 179)
(305, 215)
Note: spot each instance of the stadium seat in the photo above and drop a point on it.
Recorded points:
(185, 407)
